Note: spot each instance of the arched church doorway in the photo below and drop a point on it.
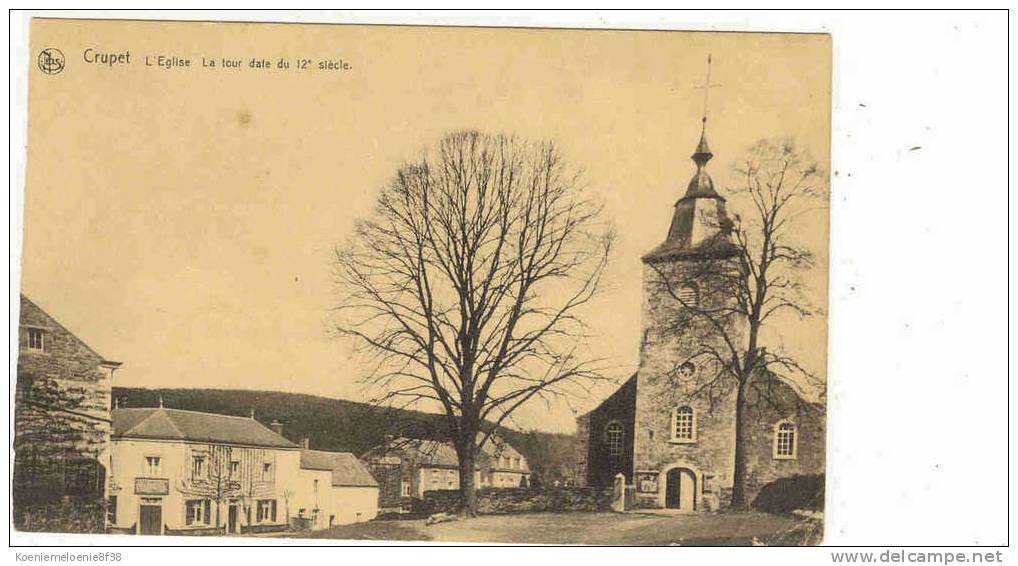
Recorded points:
(680, 489)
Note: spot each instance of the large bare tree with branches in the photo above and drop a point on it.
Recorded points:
(746, 280)
(468, 284)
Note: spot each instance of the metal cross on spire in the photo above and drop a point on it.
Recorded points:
(706, 86)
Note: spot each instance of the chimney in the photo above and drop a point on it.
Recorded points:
(277, 427)
(305, 443)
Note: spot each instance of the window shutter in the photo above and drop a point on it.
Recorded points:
(273, 510)
(208, 511)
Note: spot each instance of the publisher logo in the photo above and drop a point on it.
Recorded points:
(51, 61)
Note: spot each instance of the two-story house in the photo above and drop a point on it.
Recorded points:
(185, 472)
(427, 465)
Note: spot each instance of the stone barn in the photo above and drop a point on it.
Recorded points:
(61, 428)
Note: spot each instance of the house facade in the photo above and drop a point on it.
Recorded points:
(406, 468)
(670, 429)
(335, 489)
(185, 472)
(61, 427)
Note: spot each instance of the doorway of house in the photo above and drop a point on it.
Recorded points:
(150, 520)
(231, 519)
(680, 489)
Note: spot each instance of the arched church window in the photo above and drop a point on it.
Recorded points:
(786, 440)
(684, 424)
(689, 294)
(613, 438)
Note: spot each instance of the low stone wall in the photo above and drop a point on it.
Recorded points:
(69, 515)
(272, 528)
(201, 532)
(523, 500)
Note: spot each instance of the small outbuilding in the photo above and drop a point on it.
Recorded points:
(336, 489)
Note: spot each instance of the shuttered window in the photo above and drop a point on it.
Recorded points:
(197, 512)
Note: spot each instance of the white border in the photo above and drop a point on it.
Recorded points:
(918, 270)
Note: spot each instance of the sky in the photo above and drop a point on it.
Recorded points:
(182, 220)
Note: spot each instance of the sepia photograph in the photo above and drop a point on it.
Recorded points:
(374, 283)
(578, 299)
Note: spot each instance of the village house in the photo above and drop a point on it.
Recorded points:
(185, 472)
(61, 427)
(674, 444)
(406, 468)
(336, 489)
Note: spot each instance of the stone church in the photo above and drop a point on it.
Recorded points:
(668, 433)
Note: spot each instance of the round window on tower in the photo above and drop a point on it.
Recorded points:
(687, 370)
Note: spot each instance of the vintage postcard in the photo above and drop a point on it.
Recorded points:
(444, 284)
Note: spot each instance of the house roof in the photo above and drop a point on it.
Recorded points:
(434, 453)
(346, 469)
(177, 424)
(427, 452)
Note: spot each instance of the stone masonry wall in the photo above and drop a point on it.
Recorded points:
(619, 408)
(61, 418)
(667, 343)
(810, 422)
(523, 500)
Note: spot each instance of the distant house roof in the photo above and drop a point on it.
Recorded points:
(347, 470)
(177, 424)
(434, 453)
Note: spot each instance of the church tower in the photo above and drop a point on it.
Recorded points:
(669, 430)
(683, 437)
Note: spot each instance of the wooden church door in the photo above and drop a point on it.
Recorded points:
(680, 489)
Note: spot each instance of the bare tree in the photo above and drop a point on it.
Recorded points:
(468, 282)
(214, 479)
(746, 280)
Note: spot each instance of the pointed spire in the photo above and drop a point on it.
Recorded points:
(699, 221)
(701, 185)
(702, 154)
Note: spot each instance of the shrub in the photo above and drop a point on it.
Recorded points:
(784, 495)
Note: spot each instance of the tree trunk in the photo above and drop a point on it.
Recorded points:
(466, 451)
(739, 477)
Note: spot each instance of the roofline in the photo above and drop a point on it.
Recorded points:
(186, 411)
(610, 395)
(314, 468)
(692, 196)
(154, 410)
(655, 256)
(61, 325)
(190, 441)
